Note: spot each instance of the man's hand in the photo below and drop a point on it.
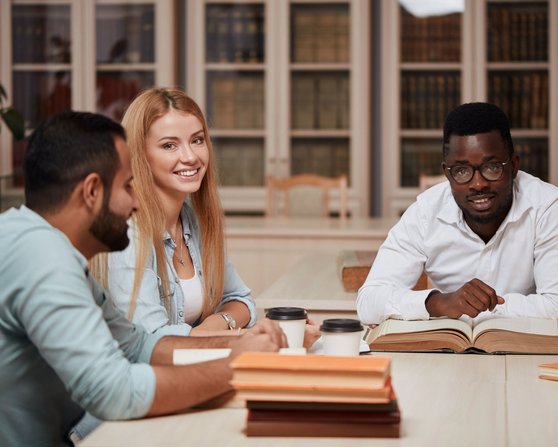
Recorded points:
(266, 335)
(311, 333)
(470, 299)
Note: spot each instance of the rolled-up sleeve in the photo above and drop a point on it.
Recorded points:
(236, 290)
(95, 358)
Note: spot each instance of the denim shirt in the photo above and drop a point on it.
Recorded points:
(64, 345)
(150, 310)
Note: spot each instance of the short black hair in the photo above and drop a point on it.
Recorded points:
(474, 118)
(63, 150)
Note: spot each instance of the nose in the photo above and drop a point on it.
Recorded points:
(478, 182)
(135, 202)
(187, 155)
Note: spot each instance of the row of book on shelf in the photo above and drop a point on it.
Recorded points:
(517, 32)
(235, 33)
(435, 38)
(320, 101)
(328, 156)
(523, 96)
(320, 35)
(317, 396)
(236, 102)
(426, 98)
(240, 162)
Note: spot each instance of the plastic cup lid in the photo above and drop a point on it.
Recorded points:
(341, 325)
(286, 313)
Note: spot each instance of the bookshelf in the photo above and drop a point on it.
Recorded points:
(285, 88)
(503, 52)
(71, 54)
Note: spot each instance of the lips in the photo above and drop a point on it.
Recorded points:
(481, 202)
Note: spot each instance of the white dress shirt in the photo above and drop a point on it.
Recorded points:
(520, 262)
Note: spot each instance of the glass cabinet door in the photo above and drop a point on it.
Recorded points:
(234, 78)
(320, 74)
(430, 84)
(517, 76)
(125, 59)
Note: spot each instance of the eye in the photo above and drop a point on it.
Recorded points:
(492, 167)
(169, 146)
(460, 171)
(199, 140)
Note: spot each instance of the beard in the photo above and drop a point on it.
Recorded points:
(498, 214)
(111, 229)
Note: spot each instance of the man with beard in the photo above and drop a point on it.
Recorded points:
(487, 238)
(65, 347)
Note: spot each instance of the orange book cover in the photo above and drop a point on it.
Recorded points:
(324, 372)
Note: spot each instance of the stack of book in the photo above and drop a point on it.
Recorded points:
(316, 396)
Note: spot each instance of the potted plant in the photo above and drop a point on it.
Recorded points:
(11, 117)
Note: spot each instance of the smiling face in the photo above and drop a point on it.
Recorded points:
(177, 151)
(484, 203)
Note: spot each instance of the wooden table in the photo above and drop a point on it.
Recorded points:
(313, 283)
(445, 400)
(264, 248)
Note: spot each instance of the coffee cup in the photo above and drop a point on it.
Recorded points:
(341, 336)
(292, 321)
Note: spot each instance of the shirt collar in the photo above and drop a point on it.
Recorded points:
(186, 230)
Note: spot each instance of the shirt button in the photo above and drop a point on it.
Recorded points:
(199, 273)
(181, 314)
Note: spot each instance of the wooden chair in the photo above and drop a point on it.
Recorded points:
(305, 195)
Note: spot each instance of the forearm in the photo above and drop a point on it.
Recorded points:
(181, 387)
(375, 303)
(238, 310)
(163, 351)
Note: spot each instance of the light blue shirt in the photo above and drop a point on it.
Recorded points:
(150, 311)
(64, 346)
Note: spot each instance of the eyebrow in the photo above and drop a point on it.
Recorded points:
(467, 162)
(173, 138)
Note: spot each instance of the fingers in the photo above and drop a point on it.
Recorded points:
(475, 297)
(272, 329)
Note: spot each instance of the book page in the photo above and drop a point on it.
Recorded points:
(401, 327)
(190, 356)
(537, 326)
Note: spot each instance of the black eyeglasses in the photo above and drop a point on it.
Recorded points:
(491, 171)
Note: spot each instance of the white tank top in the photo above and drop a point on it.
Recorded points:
(193, 298)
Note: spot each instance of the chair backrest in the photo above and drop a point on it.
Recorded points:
(305, 195)
(426, 181)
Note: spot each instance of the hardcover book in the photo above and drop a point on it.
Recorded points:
(496, 335)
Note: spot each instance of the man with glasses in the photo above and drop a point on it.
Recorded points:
(487, 238)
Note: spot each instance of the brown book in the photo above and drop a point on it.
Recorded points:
(352, 417)
(496, 335)
(354, 265)
(548, 371)
(269, 369)
(302, 428)
(387, 407)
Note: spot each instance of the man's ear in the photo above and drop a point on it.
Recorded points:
(92, 191)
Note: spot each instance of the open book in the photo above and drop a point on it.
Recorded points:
(497, 335)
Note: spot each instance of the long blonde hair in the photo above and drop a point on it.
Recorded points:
(146, 108)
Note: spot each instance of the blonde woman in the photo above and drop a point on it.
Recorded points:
(174, 277)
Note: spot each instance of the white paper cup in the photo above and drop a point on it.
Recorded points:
(341, 336)
(292, 321)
